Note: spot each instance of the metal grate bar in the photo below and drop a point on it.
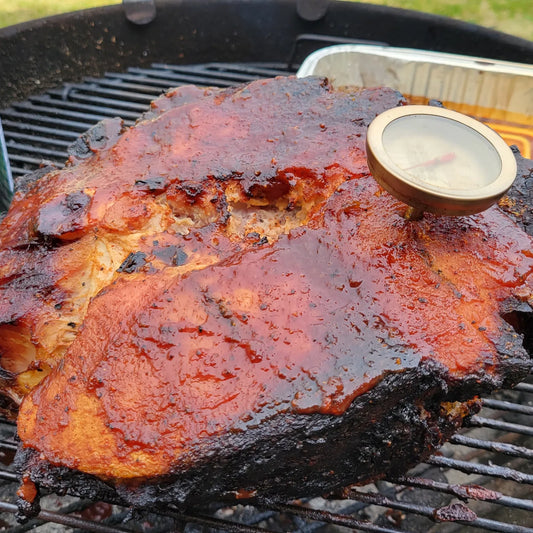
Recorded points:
(39, 119)
(508, 427)
(39, 139)
(35, 150)
(501, 472)
(8, 124)
(66, 520)
(331, 518)
(174, 79)
(216, 523)
(121, 96)
(17, 171)
(265, 70)
(120, 83)
(161, 84)
(464, 515)
(58, 112)
(466, 492)
(493, 446)
(492, 525)
(374, 498)
(8, 445)
(8, 476)
(508, 406)
(118, 104)
(242, 77)
(55, 98)
(31, 160)
(75, 507)
(524, 387)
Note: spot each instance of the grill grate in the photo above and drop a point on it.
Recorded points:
(43, 127)
(481, 481)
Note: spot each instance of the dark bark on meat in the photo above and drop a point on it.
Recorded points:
(409, 410)
(394, 426)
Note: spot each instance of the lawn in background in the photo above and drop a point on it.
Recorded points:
(510, 16)
(15, 11)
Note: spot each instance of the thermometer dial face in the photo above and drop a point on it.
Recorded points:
(439, 160)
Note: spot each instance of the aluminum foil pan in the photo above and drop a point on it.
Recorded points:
(446, 77)
(499, 93)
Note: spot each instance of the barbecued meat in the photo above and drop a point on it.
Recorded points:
(238, 309)
(203, 162)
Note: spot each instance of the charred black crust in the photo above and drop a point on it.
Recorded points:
(25, 182)
(70, 216)
(517, 313)
(8, 407)
(133, 263)
(27, 510)
(171, 255)
(395, 425)
(521, 194)
(156, 185)
(61, 480)
(101, 136)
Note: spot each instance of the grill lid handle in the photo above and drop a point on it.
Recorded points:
(312, 10)
(139, 12)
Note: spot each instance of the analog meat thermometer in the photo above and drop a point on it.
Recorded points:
(438, 160)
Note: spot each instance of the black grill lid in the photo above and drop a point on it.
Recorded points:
(45, 53)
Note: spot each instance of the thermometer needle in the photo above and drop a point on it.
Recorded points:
(442, 159)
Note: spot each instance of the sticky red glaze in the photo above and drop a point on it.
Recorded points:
(306, 324)
(212, 333)
(197, 149)
(27, 490)
(310, 127)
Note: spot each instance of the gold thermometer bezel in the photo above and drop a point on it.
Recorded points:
(431, 198)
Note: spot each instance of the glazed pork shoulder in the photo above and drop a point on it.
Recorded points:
(221, 303)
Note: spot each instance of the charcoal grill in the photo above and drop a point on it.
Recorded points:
(480, 481)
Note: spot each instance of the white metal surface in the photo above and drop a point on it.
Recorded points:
(446, 77)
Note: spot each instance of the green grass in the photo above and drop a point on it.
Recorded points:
(15, 11)
(510, 16)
